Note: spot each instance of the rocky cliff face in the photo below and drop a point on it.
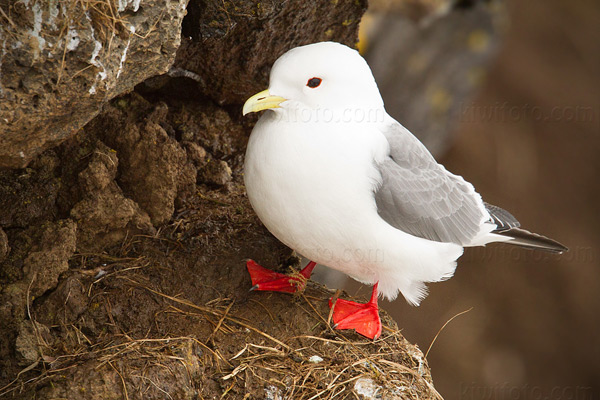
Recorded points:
(61, 61)
(124, 224)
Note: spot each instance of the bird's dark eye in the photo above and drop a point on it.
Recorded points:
(313, 82)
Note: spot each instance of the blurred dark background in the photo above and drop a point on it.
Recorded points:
(507, 94)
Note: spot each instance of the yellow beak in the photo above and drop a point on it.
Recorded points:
(261, 101)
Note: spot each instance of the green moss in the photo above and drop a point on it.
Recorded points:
(122, 103)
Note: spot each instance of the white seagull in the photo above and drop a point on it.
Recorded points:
(337, 179)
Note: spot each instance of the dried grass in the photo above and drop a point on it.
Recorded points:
(283, 363)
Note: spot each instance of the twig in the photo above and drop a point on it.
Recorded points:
(442, 328)
(216, 330)
(8, 19)
(122, 380)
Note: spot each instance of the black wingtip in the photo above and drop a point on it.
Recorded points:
(502, 218)
(530, 240)
(507, 225)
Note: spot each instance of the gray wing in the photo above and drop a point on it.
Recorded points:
(420, 197)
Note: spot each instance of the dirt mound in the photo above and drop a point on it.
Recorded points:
(142, 328)
(168, 310)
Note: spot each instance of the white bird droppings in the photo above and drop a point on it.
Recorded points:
(273, 393)
(366, 387)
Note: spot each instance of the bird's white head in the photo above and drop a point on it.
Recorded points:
(321, 76)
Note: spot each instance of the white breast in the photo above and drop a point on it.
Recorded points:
(312, 184)
(312, 187)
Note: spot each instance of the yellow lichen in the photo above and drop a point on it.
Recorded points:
(478, 41)
(440, 100)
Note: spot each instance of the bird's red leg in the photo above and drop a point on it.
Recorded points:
(364, 318)
(265, 279)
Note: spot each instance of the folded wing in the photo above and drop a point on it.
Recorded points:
(420, 197)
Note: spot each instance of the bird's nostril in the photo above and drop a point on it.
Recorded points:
(262, 98)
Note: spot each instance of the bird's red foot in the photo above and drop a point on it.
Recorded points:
(265, 279)
(364, 318)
